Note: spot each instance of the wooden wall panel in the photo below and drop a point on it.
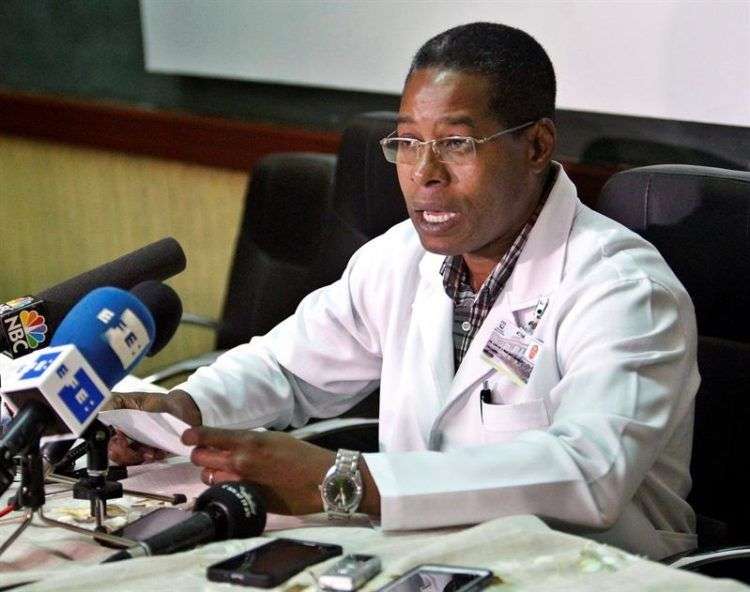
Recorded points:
(67, 209)
(212, 141)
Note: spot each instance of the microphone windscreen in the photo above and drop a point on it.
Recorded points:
(166, 308)
(111, 328)
(238, 509)
(157, 261)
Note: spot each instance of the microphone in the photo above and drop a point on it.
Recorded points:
(27, 323)
(60, 389)
(227, 511)
(166, 309)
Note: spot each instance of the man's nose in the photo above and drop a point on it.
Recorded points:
(428, 169)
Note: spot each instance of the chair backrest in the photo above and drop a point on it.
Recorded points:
(366, 199)
(279, 239)
(305, 215)
(366, 192)
(699, 219)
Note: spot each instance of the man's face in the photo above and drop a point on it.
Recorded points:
(476, 208)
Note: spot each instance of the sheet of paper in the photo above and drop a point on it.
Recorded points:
(133, 384)
(166, 477)
(160, 430)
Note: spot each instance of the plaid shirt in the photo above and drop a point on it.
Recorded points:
(470, 309)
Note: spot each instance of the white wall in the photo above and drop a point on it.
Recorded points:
(681, 59)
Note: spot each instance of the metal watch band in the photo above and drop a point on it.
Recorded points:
(347, 461)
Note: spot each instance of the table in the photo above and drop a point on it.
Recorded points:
(525, 553)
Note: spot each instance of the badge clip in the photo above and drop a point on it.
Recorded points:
(541, 307)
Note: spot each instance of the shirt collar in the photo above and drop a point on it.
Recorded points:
(456, 274)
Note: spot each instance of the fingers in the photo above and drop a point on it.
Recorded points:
(124, 452)
(138, 401)
(221, 452)
(214, 476)
(177, 403)
(150, 454)
(212, 458)
(218, 437)
(182, 406)
(218, 464)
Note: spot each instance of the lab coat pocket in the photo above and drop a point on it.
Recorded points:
(503, 422)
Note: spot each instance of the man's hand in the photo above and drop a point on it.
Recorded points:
(177, 403)
(287, 471)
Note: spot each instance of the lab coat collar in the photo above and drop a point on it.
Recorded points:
(539, 268)
(537, 274)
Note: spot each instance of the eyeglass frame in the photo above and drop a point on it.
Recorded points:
(421, 144)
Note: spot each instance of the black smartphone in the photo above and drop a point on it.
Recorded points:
(271, 564)
(440, 578)
(152, 523)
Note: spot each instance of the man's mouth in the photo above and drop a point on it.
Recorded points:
(437, 217)
(436, 222)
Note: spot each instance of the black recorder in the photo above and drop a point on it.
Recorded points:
(271, 564)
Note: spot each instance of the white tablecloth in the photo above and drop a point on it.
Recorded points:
(522, 551)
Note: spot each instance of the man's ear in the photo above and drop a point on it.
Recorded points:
(542, 144)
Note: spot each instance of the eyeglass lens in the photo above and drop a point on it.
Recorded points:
(407, 151)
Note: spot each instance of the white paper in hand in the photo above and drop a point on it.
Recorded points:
(160, 430)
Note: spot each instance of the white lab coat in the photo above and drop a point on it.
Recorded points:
(598, 442)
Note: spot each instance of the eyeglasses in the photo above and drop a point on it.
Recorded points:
(451, 150)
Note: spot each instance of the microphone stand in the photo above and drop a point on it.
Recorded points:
(31, 496)
(95, 486)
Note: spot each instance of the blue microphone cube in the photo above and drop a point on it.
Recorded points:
(60, 377)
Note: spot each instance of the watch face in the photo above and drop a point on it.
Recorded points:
(341, 491)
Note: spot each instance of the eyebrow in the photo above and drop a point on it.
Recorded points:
(451, 120)
(459, 120)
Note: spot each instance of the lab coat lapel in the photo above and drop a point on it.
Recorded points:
(537, 273)
(433, 312)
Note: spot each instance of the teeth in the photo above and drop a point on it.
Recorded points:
(437, 217)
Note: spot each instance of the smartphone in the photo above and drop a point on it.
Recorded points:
(152, 523)
(440, 578)
(271, 564)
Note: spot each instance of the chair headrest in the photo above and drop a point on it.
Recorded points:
(699, 220)
(286, 190)
(366, 192)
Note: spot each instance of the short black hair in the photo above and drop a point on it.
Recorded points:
(517, 66)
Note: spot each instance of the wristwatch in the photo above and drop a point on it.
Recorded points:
(342, 486)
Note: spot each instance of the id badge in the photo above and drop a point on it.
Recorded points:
(512, 350)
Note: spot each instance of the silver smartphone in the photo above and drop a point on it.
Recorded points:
(440, 578)
(350, 573)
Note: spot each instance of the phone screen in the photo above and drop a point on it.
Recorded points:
(273, 563)
(429, 578)
(153, 523)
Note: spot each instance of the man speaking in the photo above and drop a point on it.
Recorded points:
(533, 357)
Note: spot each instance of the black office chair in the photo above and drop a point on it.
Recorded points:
(366, 199)
(642, 151)
(699, 219)
(273, 268)
(366, 202)
(278, 242)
